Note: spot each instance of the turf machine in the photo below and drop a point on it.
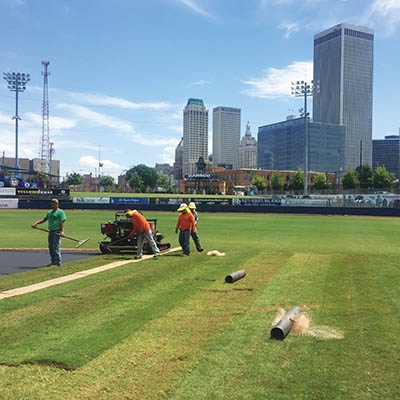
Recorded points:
(118, 234)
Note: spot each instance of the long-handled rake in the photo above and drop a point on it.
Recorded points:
(80, 242)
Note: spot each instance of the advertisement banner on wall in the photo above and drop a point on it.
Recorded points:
(129, 200)
(91, 200)
(166, 200)
(7, 191)
(8, 203)
(212, 201)
(257, 202)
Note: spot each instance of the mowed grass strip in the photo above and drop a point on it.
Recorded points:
(190, 325)
(346, 357)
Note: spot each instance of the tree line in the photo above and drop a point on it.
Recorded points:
(141, 179)
(144, 179)
(363, 177)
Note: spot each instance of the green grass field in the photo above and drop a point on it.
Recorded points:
(172, 329)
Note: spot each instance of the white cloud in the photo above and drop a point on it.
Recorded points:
(290, 28)
(384, 16)
(109, 101)
(6, 119)
(97, 119)
(195, 7)
(90, 162)
(199, 83)
(276, 83)
(58, 123)
(168, 155)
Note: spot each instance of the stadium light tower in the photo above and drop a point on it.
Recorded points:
(304, 89)
(16, 82)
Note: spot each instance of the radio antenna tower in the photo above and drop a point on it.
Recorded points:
(45, 148)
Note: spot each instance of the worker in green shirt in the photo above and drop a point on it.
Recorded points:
(56, 219)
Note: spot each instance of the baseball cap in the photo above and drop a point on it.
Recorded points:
(54, 201)
(192, 205)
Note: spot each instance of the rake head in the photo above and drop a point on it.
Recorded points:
(81, 242)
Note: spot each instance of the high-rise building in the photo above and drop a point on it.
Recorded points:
(226, 137)
(195, 135)
(281, 146)
(178, 164)
(248, 150)
(343, 68)
(386, 153)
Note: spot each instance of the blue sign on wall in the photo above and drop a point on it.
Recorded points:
(257, 202)
(129, 200)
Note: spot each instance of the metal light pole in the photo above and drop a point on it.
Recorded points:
(304, 89)
(16, 82)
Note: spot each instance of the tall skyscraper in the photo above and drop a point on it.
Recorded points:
(195, 135)
(226, 137)
(343, 67)
(248, 150)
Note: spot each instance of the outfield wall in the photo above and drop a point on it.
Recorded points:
(216, 205)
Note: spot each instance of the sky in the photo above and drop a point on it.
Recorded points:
(121, 71)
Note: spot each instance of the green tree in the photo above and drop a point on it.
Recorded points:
(148, 176)
(321, 181)
(135, 182)
(382, 179)
(277, 182)
(364, 175)
(259, 183)
(106, 181)
(164, 183)
(350, 180)
(74, 179)
(297, 180)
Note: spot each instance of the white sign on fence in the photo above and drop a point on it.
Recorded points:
(91, 200)
(8, 203)
(7, 191)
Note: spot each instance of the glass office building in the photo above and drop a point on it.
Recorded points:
(281, 146)
(386, 153)
(343, 68)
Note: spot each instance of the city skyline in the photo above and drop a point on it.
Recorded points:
(121, 71)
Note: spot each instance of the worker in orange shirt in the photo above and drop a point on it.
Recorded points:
(143, 230)
(186, 225)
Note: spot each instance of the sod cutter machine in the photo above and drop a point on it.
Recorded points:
(80, 242)
(118, 231)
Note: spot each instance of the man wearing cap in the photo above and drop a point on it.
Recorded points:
(143, 230)
(56, 219)
(186, 225)
(195, 236)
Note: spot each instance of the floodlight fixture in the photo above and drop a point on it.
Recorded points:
(16, 82)
(304, 89)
